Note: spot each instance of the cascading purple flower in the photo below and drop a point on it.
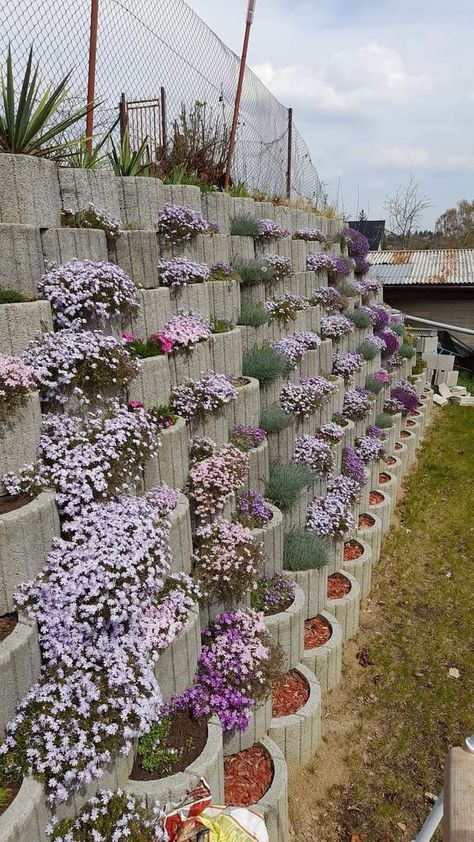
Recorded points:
(405, 394)
(390, 340)
(353, 466)
(381, 317)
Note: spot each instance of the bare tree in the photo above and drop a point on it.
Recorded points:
(405, 210)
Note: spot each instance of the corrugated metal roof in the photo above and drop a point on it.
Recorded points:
(429, 266)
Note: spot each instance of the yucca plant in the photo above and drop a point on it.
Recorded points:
(89, 158)
(125, 161)
(303, 550)
(25, 124)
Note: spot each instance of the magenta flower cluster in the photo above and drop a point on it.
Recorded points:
(293, 347)
(17, 379)
(180, 224)
(336, 326)
(211, 392)
(391, 342)
(179, 271)
(184, 330)
(314, 452)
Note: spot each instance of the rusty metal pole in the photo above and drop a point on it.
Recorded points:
(238, 95)
(290, 145)
(91, 73)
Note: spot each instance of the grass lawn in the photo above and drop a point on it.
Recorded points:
(389, 727)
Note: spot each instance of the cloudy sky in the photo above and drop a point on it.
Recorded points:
(380, 89)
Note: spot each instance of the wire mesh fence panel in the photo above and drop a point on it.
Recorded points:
(144, 46)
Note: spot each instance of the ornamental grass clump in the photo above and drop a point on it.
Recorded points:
(238, 664)
(286, 308)
(213, 480)
(397, 327)
(303, 550)
(304, 398)
(252, 511)
(361, 316)
(154, 346)
(356, 404)
(265, 364)
(370, 347)
(273, 419)
(407, 351)
(87, 365)
(244, 225)
(247, 438)
(253, 315)
(227, 560)
(273, 594)
(17, 380)
(90, 459)
(180, 224)
(329, 298)
(93, 218)
(315, 453)
(221, 326)
(336, 327)
(384, 420)
(294, 346)
(406, 395)
(178, 272)
(254, 271)
(346, 365)
(85, 291)
(375, 382)
(286, 482)
(211, 392)
(112, 815)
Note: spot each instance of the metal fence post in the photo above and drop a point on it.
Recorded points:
(91, 73)
(290, 149)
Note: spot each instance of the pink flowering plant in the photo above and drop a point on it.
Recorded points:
(93, 218)
(227, 560)
(285, 309)
(247, 438)
(346, 365)
(293, 347)
(211, 392)
(273, 594)
(213, 480)
(17, 380)
(304, 398)
(314, 452)
(336, 327)
(179, 272)
(270, 230)
(181, 224)
(154, 346)
(253, 511)
(184, 330)
(87, 365)
(87, 291)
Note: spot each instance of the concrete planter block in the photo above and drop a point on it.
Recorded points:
(361, 506)
(215, 249)
(246, 408)
(216, 208)
(241, 248)
(259, 468)
(308, 425)
(396, 467)
(153, 385)
(310, 365)
(326, 661)
(211, 424)
(136, 252)
(391, 437)
(183, 194)
(189, 363)
(370, 535)
(295, 515)
(277, 329)
(414, 426)
(260, 718)
(224, 300)
(209, 765)
(283, 217)
(318, 487)
(193, 297)
(375, 467)
(26, 818)
(281, 247)
(181, 542)
(273, 806)
(253, 337)
(29, 191)
(390, 487)
(419, 382)
(281, 444)
(81, 187)
(26, 537)
(382, 510)
(242, 206)
(334, 553)
(175, 668)
(337, 451)
(349, 433)
(325, 356)
(314, 584)
(409, 440)
(141, 200)
(313, 318)
(251, 295)
(360, 426)
(226, 352)
(171, 465)
(19, 436)
(195, 249)
(270, 393)
(298, 255)
(21, 323)
(153, 312)
(110, 777)
(20, 664)
(361, 569)
(298, 735)
(287, 629)
(210, 611)
(22, 265)
(271, 537)
(346, 609)
(61, 245)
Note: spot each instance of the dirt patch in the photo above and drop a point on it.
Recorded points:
(9, 793)
(7, 624)
(289, 693)
(383, 478)
(187, 735)
(279, 608)
(248, 775)
(365, 521)
(11, 502)
(375, 497)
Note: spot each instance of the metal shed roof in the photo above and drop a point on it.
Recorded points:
(429, 266)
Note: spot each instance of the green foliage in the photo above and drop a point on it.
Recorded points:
(407, 351)
(238, 190)
(254, 272)
(144, 348)
(367, 350)
(244, 226)
(274, 420)
(197, 151)
(419, 366)
(25, 125)
(253, 315)
(373, 385)
(125, 161)
(286, 482)
(384, 421)
(155, 756)
(83, 158)
(181, 175)
(264, 364)
(465, 379)
(398, 328)
(360, 317)
(9, 296)
(4, 794)
(347, 288)
(303, 550)
(221, 325)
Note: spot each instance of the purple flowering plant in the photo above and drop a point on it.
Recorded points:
(227, 559)
(270, 230)
(293, 347)
(179, 271)
(314, 452)
(211, 392)
(346, 365)
(356, 404)
(304, 398)
(253, 511)
(214, 479)
(405, 394)
(273, 594)
(285, 309)
(352, 466)
(180, 224)
(247, 438)
(330, 515)
(17, 380)
(330, 432)
(370, 447)
(329, 298)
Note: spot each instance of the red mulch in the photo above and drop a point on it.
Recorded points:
(383, 477)
(338, 586)
(375, 497)
(7, 624)
(289, 693)
(398, 446)
(405, 434)
(247, 776)
(11, 502)
(391, 460)
(317, 632)
(352, 550)
(366, 520)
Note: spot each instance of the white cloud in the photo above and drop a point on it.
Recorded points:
(403, 157)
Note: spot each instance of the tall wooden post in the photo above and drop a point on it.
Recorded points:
(238, 95)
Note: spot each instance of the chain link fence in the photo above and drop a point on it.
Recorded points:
(161, 51)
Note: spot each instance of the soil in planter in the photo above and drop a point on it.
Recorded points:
(375, 497)
(352, 550)
(398, 446)
(383, 478)
(289, 693)
(7, 624)
(365, 521)
(10, 502)
(391, 460)
(248, 775)
(187, 735)
(317, 632)
(240, 381)
(409, 423)
(276, 609)
(338, 586)
(8, 794)
(404, 434)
